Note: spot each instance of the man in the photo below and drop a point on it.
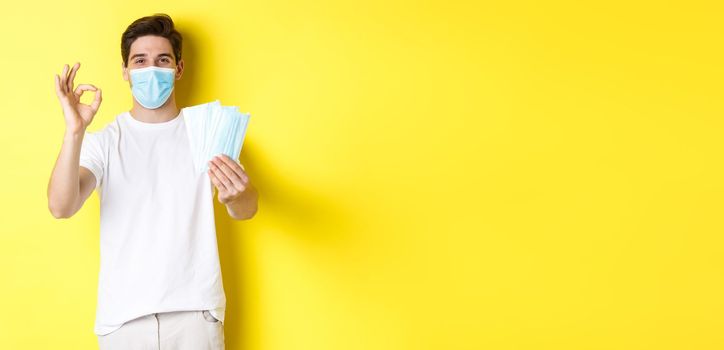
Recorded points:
(160, 284)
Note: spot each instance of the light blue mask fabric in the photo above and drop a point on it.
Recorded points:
(151, 86)
(214, 129)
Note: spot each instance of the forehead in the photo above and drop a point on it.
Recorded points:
(151, 44)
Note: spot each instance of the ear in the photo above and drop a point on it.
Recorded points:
(180, 69)
(124, 72)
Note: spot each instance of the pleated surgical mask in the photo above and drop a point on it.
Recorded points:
(152, 86)
(214, 129)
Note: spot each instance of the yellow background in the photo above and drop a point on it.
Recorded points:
(433, 174)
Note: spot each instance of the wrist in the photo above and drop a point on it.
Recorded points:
(74, 134)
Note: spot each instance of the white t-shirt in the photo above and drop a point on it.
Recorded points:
(158, 248)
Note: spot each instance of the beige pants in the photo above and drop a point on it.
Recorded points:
(178, 330)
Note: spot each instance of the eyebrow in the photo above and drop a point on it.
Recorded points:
(144, 55)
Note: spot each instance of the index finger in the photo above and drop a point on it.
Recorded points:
(84, 87)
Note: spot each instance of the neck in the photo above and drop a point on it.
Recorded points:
(161, 114)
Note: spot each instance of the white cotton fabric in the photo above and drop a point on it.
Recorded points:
(158, 247)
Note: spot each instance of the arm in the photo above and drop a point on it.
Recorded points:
(70, 184)
(235, 191)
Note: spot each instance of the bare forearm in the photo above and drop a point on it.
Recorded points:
(245, 206)
(64, 184)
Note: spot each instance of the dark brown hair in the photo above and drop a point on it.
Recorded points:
(159, 24)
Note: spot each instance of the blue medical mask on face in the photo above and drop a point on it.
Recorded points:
(151, 86)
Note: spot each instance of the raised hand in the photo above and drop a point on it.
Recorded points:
(77, 115)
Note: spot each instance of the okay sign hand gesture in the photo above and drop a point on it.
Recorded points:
(77, 115)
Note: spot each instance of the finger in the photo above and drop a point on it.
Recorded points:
(225, 162)
(63, 77)
(58, 91)
(220, 188)
(72, 75)
(219, 185)
(97, 100)
(221, 175)
(236, 167)
(84, 87)
(231, 174)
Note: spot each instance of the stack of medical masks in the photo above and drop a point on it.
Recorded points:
(214, 129)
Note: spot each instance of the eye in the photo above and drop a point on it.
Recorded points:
(139, 60)
(165, 60)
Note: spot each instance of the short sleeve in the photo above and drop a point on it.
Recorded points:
(92, 155)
